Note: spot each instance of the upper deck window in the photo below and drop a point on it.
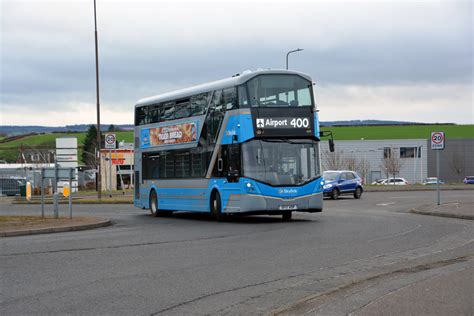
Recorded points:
(277, 91)
(171, 110)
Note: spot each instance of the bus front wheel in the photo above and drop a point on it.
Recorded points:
(153, 203)
(216, 206)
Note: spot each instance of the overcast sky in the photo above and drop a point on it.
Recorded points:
(388, 60)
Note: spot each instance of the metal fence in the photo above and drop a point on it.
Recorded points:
(12, 178)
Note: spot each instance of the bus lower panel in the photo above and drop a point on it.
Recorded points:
(258, 204)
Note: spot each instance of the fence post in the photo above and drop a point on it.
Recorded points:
(42, 192)
(71, 172)
(55, 194)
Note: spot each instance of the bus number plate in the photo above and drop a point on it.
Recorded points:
(288, 207)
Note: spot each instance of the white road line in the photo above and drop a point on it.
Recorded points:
(396, 235)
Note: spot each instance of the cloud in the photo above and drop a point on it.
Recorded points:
(148, 47)
(437, 103)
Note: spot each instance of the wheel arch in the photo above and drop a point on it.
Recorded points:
(152, 188)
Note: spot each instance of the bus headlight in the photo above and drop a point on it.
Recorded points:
(250, 187)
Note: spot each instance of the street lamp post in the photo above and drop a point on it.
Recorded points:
(293, 51)
(99, 195)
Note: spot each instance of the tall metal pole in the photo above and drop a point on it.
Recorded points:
(55, 194)
(415, 156)
(71, 175)
(110, 173)
(42, 192)
(99, 187)
(293, 51)
(437, 176)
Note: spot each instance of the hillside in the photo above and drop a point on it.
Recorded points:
(12, 130)
(9, 149)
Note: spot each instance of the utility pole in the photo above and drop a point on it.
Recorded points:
(99, 193)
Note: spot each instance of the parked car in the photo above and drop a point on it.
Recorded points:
(395, 181)
(469, 180)
(432, 180)
(378, 182)
(342, 182)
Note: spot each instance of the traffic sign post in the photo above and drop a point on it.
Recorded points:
(110, 143)
(437, 143)
(56, 173)
(437, 140)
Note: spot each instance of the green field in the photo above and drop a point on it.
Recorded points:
(9, 151)
(400, 132)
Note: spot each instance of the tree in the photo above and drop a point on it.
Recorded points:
(351, 163)
(111, 128)
(90, 146)
(391, 163)
(363, 167)
(334, 160)
(457, 163)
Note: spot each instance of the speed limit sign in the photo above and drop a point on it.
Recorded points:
(110, 141)
(437, 140)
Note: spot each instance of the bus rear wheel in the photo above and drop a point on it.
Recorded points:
(286, 216)
(216, 206)
(153, 203)
(154, 211)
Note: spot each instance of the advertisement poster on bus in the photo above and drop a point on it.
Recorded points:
(169, 135)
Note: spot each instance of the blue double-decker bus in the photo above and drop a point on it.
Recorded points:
(243, 145)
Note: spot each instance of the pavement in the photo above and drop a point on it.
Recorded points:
(29, 225)
(438, 288)
(454, 210)
(443, 294)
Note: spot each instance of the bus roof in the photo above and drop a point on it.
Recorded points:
(214, 85)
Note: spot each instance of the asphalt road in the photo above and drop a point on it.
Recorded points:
(189, 264)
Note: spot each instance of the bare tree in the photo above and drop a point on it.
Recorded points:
(334, 160)
(457, 163)
(391, 163)
(363, 167)
(351, 163)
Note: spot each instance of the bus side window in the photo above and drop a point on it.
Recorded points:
(230, 98)
(198, 104)
(168, 111)
(233, 166)
(139, 115)
(154, 113)
(182, 109)
(218, 102)
(215, 117)
(243, 99)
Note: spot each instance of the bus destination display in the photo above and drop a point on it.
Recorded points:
(275, 122)
(283, 122)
